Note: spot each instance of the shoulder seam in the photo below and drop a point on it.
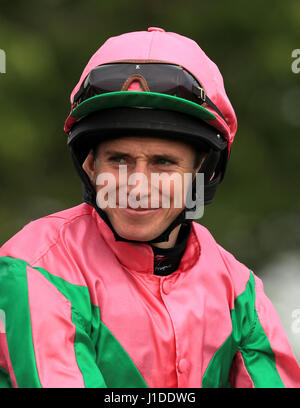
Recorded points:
(67, 219)
(53, 244)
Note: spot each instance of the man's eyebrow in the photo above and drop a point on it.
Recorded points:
(166, 156)
(160, 156)
(115, 153)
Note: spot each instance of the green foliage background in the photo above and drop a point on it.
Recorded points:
(256, 211)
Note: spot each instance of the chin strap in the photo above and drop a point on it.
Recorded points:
(163, 237)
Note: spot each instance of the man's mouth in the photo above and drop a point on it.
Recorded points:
(139, 211)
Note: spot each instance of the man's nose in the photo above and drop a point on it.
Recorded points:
(141, 170)
(141, 166)
(140, 176)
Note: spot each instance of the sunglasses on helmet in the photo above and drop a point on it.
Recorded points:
(153, 77)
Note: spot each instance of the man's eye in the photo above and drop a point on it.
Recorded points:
(118, 159)
(164, 161)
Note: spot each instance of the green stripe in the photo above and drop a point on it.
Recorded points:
(258, 356)
(5, 381)
(261, 365)
(82, 318)
(249, 337)
(146, 99)
(100, 357)
(14, 302)
(217, 372)
(117, 367)
(86, 355)
(95, 346)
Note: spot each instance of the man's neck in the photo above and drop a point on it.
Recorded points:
(167, 259)
(172, 239)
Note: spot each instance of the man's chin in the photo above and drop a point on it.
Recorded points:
(142, 227)
(137, 234)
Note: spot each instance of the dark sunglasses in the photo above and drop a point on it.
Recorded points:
(154, 77)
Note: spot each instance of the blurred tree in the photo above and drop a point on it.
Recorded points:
(256, 211)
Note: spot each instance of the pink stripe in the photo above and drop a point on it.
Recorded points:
(5, 359)
(55, 233)
(285, 360)
(239, 376)
(53, 334)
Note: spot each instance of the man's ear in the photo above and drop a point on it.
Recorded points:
(89, 166)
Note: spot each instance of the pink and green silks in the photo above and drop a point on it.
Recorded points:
(82, 310)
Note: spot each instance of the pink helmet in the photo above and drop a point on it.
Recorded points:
(152, 82)
(157, 45)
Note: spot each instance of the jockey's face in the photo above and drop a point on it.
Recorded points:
(125, 173)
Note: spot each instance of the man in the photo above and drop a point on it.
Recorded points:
(138, 295)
